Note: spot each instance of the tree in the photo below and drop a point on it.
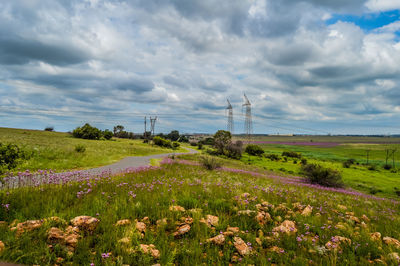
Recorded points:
(87, 132)
(221, 140)
(118, 129)
(173, 135)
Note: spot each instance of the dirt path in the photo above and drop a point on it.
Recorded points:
(132, 162)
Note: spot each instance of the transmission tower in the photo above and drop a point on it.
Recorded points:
(145, 128)
(152, 124)
(248, 124)
(230, 117)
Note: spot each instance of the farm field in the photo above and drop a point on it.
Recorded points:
(371, 178)
(180, 213)
(56, 151)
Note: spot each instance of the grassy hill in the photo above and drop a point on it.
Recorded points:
(56, 151)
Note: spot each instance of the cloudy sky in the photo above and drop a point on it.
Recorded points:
(307, 66)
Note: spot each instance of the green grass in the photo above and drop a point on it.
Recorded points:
(54, 150)
(218, 193)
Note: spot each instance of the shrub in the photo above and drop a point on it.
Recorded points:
(291, 154)
(348, 163)
(272, 157)
(303, 161)
(234, 150)
(175, 145)
(192, 143)
(387, 167)
(162, 142)
(374, 190)
(372, 167)
(183, 139)
(173, 135)
(80, 148)
(252, 149)
(210, 163)
(107, 134)
(397, 191)
(49, 129)
(87, 132)
(316, 174)
(200, 145)
(208, 141)
(10, 154)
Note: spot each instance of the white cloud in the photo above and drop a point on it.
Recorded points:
(382, 5)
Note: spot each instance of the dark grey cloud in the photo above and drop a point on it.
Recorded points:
(18, 50)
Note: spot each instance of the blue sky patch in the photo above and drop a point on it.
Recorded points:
(369, 21)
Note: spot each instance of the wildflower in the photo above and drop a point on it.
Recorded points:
(105, 255)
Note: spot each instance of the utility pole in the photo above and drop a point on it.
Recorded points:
(230, 117)
(248, 124)
(152, 124)
(368, 151)
(145, 128)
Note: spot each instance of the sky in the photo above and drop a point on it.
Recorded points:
(307, 66)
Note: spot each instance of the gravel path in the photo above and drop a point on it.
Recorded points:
(131, 162)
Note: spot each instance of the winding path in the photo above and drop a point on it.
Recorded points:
(132, 162)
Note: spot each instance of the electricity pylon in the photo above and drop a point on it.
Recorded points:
(152, 124)
(248, 124)
(230, 117)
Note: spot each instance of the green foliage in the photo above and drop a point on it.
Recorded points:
(119, 132)
(200, 145)
(87, 132)
(209, 162)
(107, 134)
(175, 145)
(80, 148)
(221, 139)
(183, 139)
(272, 157)
(234, 150)
(291, 154)
(348, 163)
(162, 142)
(320, 175)
(10, 154)
(387, 166)
(173, 135)
(49, 129)
(253, 149)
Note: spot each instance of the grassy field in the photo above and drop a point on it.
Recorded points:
(180, 208)
(332, 152)
(56, 151)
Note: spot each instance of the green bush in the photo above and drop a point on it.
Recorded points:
(252, 149)
(272, 157)
(303, 161)
(159, 141)
(348, 163)
(372, 167)
(175, 145)
(291, 154)
(210, 163)
(221, 140)
(80, 148)
(234, 150)
(49, 129)
(316, 174)
(10, 154)
(200, 145)
(387, 167)
(107, 134)
(87, 132)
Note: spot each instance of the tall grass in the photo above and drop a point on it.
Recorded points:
(150, 193)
